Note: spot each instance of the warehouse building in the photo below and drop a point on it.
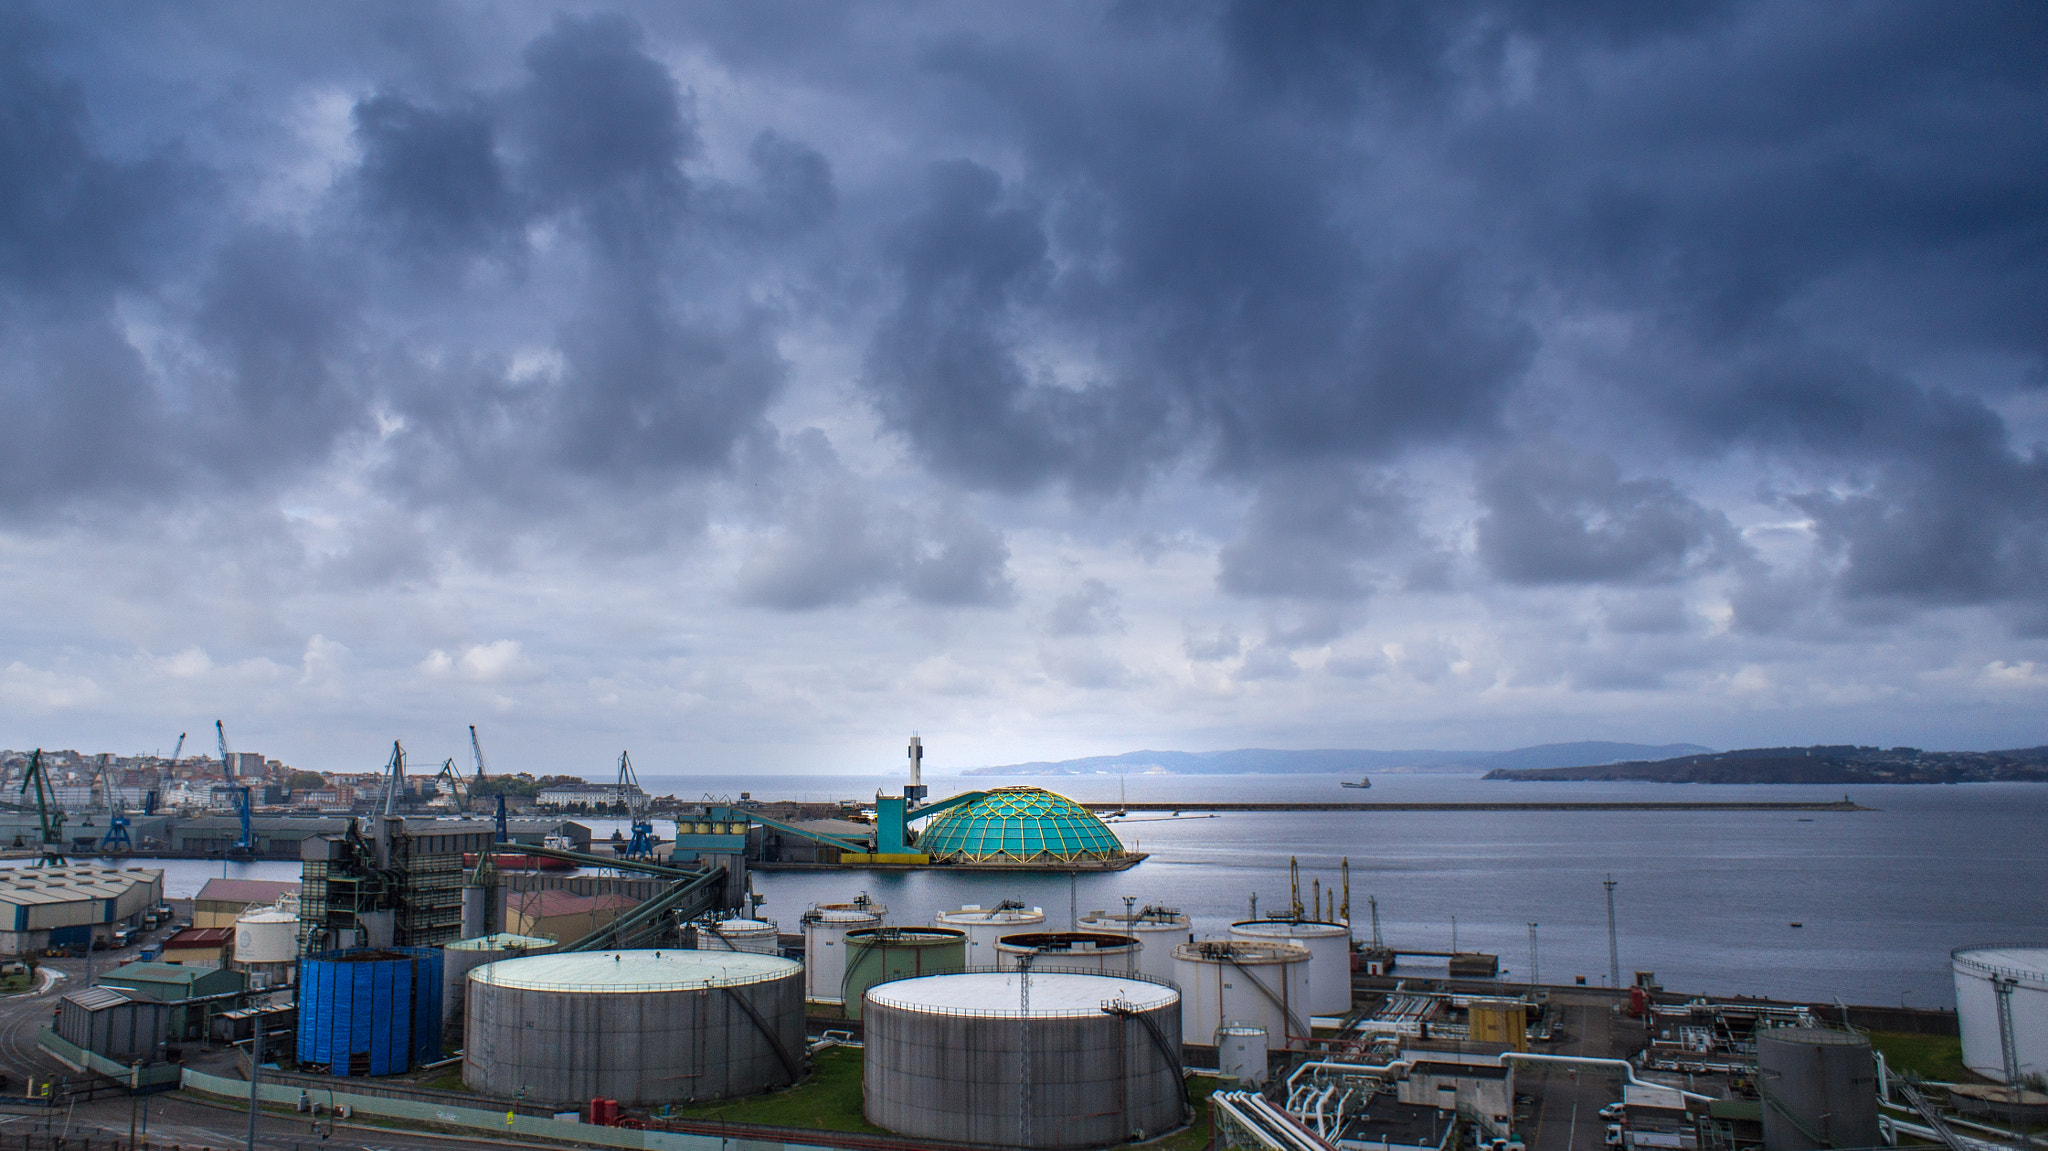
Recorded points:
(65, 906)
(222, 901)
(174, 983)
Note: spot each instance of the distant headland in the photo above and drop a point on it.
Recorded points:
(1823, 764)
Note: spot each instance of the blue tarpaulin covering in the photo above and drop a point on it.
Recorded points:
(370, 1011)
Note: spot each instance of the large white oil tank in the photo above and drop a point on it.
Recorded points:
(985, 925)
(1093, 1060)
(758, 936)
(825, 929)
(267, 945)
(1979, 972)
(1069, 951)
(1160, 929)
(1821, 1088)
(1247, 981)
(1329, 964)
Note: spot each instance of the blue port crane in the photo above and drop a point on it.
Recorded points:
(477, 749)
(245, 844)
(641, 846)
(116, 839)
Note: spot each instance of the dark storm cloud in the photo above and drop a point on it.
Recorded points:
(433, 176)
(1309, 533)
(1555, 516)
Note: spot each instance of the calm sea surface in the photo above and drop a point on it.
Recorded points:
(1705, 899)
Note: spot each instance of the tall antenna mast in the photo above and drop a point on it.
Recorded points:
(1613, 941)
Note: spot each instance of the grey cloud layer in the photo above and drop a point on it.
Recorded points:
(1071, 251)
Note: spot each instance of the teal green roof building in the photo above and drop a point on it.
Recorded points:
(1019, 825)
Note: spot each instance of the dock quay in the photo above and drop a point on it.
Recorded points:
(1732, 805)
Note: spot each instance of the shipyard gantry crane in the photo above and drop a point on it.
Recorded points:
(477, 749)
(116, 839)
(641, 846)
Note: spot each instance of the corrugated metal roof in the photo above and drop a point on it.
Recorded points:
(160, 973)
(246, 890)
(200, 937)
(98, 998)
(663, 970)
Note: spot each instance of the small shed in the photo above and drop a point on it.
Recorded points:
(120, 1024)
(172, 983)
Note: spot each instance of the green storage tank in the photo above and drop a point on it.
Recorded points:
(881, 954)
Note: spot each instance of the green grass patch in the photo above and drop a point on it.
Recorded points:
(830, 1100)
(1937, 1057)
(449, 1080)
(1196, 1136)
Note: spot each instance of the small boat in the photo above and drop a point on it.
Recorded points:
(1799, 925)
(1363, 781)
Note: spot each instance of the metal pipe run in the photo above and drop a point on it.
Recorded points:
(1627, 1069)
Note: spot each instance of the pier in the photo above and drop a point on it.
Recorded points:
(1731, 805)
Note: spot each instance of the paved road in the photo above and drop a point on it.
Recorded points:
(1566, 1114)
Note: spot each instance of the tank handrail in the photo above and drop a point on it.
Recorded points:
(1627, 1069)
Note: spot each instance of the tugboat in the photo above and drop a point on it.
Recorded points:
(1363, 781)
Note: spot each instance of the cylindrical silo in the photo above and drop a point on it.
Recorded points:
(825, 931)
(2021, 972)
(1070, 951)
(1241, 1053)
(1090, 1061)
(881, 954)
(458, 959)
(641, 1027)
(754, 935)
(1819, 1088)
(1243, 981)
(1329, 963)
(1160, 929)
(370, 1011)
(267, 945)
(985, 925)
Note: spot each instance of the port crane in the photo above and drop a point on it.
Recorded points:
(116, 839)
(49, 816)
(641, 846)
(477, 749)
(448, 779)
(245, 843)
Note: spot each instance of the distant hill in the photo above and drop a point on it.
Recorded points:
(1268, 761)
(1820, 764)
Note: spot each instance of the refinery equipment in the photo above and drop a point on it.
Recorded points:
(1160, 929)
(759, 936)
(825, 929)
(1329, 948)
(370, 1011)
(1069, 951)
(880, 954)
(1819, 1089)
(2002, 1008)
(638, 1027)
(985, 925)
(1015, 1059)
(463, 956)
(1244, 981)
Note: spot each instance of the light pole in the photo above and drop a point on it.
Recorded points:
(1613, 941)
(1534, 971)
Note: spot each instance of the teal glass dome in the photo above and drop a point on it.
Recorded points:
(1019, 824)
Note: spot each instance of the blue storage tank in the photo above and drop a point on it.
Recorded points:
(370, 1010)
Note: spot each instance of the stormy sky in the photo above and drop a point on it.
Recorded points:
(751, 385)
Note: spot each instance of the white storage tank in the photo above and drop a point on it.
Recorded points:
(267, 945)
(985, 925)
(1822, 1089)
(1160, 929)
(1241, 1053)
(1069, 951)
(1329, 950)
(757, 936)
(463, 956)
(1094, 1060)
(825, 929)
(641, 1027)
(1243, 981)
(1979, 972)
